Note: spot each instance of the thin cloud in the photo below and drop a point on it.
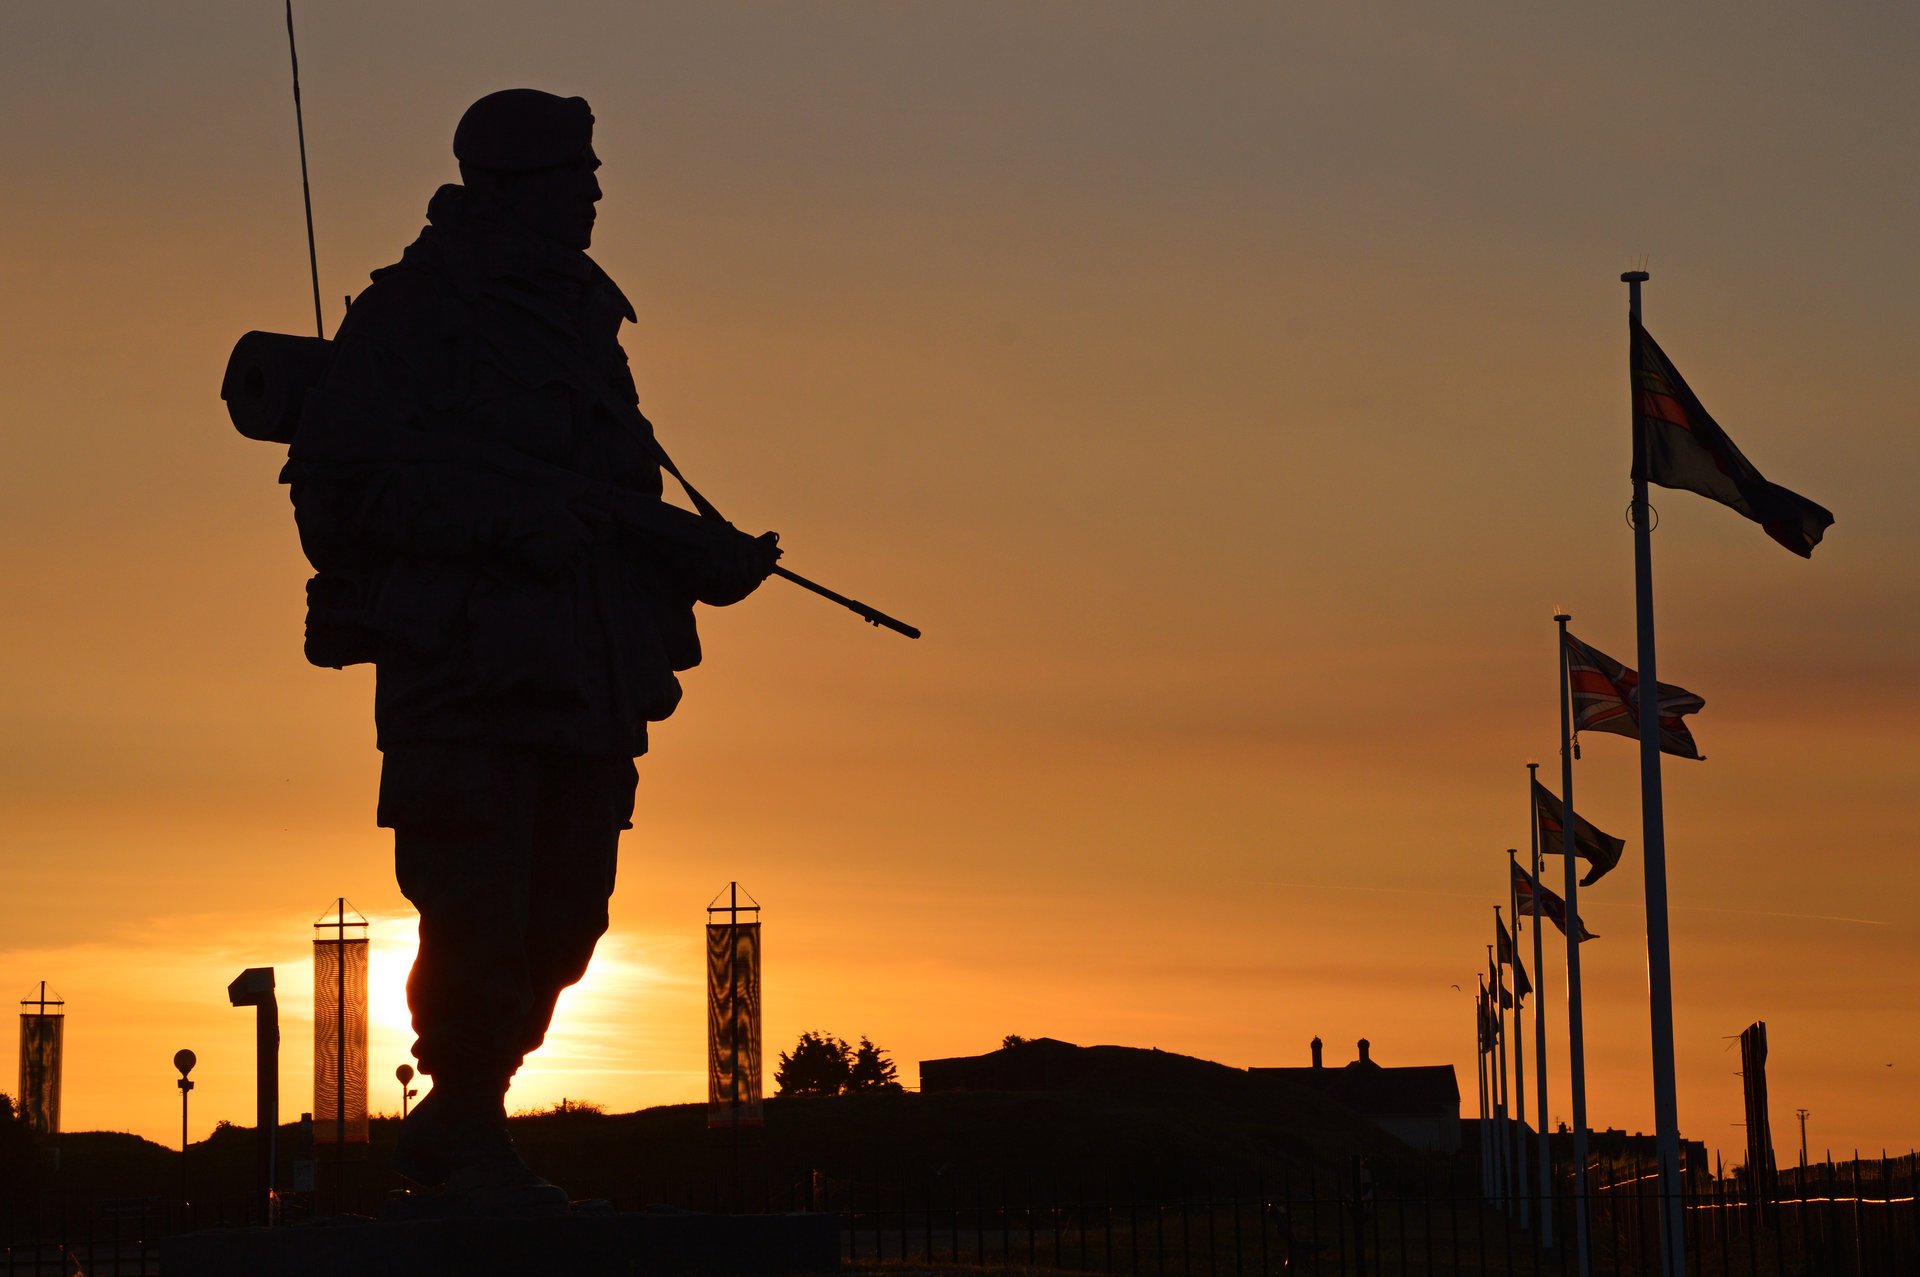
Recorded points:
(1468, 895)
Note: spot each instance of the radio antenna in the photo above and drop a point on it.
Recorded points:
(306, 192)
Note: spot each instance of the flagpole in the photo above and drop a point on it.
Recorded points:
(1480, 1060)
(1666, 1114)
(1519, 1060)
(1497, 1077)
(1511, 1183)
(1576, 1033)
(1545, 1171)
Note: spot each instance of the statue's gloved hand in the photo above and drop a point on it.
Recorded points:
(544, 538)
(736, 564)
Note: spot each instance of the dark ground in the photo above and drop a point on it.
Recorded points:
(1132, 1118)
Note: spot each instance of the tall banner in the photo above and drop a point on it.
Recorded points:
(42, 1033)
(1753, 1069)
(733, 1024)
(340, 1036)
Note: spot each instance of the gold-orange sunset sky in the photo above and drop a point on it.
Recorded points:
(1232, 392)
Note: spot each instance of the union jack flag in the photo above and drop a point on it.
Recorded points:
(1504, 954)
(1544, 905)
(1599, 849)
(1686, 448)
(1606, 698)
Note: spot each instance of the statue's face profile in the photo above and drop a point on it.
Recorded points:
(557, 201)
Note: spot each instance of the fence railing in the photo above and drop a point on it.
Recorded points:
(1858, 1219)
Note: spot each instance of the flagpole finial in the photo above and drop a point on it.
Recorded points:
(1635, 277)
(1563, 617)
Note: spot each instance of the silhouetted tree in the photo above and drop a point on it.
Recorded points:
(565, 1108)
(872, 1070)
(17, 1156)
(819, 1064)
(1012, 1040)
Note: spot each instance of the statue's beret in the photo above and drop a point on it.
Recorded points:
(520, 130)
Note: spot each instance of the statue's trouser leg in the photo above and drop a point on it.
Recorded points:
(510, 909)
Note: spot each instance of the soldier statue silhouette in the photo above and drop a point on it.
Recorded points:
(482, 502)
(480, 497)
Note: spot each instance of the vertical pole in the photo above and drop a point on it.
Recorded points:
(733, 1027)
(1500, 1050)
(1493, 1086)
(1519, 1128)
(1666, 1110)
(1480, 1063)
(1576, 1032)
(254, 988)
(1545, 1172)
(185, 1086)
(340, 1077)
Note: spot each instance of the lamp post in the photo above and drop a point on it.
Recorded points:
(407, 1092)
(184, 1061)
(254, 988)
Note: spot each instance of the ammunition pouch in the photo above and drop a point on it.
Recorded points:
(340, 619)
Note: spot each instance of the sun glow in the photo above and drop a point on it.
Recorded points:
(627, 1035)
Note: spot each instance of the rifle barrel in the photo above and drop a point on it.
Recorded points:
(873, 616)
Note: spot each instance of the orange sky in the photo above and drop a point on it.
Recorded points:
(1232, 395)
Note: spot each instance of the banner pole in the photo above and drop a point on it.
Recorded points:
(1576, 1032)
(1545, 1153)
(1666, 1115)
(1519, 1129)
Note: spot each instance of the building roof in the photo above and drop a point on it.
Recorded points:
(1373, 1091)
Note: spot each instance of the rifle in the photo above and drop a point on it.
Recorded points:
(650, 516)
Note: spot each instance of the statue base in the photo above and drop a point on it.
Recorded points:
(584, 1243)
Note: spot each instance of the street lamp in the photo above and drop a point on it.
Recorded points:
(184, 1061)
(405, 1074)
(254, 988)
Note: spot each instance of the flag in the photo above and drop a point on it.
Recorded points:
(1548, 906)
(1606, 698)
(1599, 849)
(1504, 951)
(1686, 448)
(1489, 1025)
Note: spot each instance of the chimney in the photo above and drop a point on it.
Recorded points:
(1315, 1045)
(1364, 1058)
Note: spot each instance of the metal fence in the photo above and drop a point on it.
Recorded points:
(1857, 1219)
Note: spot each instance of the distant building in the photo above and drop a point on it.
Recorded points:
(1619, 1156)
(1419, 1104)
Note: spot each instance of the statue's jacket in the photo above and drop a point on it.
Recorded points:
(468, 384)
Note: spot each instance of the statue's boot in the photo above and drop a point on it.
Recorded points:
(424, 1152)
(489, 1175)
